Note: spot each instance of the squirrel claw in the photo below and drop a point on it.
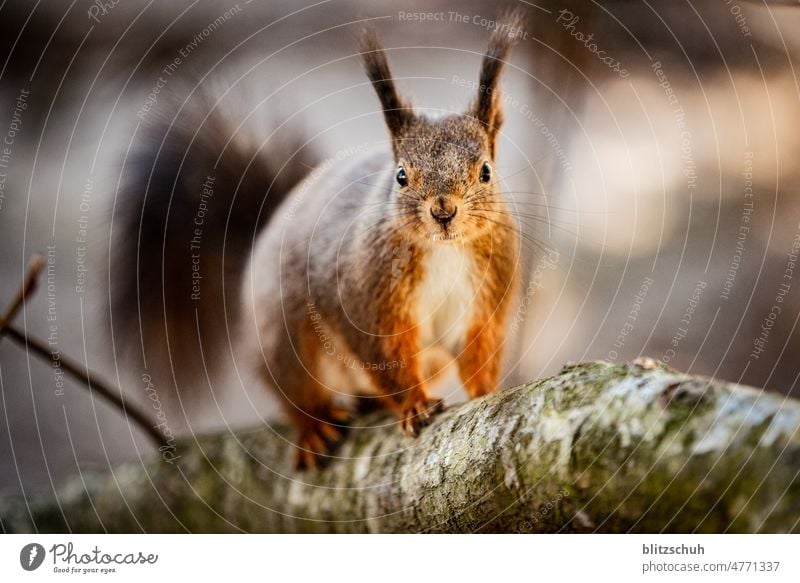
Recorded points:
(316, 442)
(418, 414)
(340, 415)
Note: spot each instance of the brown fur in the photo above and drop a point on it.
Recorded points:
(349, 276)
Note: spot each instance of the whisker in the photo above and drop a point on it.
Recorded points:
(522, 235)
(534, 217)
(513, 203)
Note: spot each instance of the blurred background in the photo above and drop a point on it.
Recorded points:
(652, 146)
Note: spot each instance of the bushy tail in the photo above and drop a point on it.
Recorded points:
(197, 192)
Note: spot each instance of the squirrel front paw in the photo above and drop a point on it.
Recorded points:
(475, 391)
(318, 438)
(417, 412)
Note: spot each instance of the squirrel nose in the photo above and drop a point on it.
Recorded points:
(443, 215)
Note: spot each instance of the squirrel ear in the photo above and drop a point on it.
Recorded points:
(487, 108)
(396, 111)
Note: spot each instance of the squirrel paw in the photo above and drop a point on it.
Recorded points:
(479, 391)
(318, 439)
(417, 413)
(366, 404)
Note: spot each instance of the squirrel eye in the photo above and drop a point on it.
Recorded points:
(486, 172)
(402, 179)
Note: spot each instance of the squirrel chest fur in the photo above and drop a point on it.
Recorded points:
(444, 301)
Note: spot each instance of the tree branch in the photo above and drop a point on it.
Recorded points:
(599, 447)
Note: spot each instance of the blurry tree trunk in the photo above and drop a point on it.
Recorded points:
(562, 72)
(597, 447)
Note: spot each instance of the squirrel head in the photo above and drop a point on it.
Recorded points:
(445, 177)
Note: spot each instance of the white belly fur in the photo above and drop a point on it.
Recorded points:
(445, 298)
(444, 307)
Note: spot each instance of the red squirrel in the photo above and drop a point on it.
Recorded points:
(374, 274)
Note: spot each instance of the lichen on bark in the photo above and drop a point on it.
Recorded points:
(598, 447)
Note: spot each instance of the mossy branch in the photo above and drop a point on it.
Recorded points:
(598, 447)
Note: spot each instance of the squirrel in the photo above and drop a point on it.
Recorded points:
(366, 278)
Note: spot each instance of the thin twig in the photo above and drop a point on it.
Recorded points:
(27, 288)
(73, 368)
(111, 394)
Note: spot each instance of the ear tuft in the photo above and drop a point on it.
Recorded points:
(396, 111)
(487, 107)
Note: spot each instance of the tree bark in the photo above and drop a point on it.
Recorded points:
(598, 447)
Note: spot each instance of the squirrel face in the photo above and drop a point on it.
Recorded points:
(445, 173)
